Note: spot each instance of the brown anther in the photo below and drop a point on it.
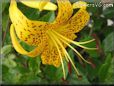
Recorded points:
(79, 77)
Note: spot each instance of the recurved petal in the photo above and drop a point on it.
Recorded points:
(31, 32)
(40, 4)
(31, 36)
(50, 6)
(78, 21)
(17, 16)
(64, 11)
(37, 51)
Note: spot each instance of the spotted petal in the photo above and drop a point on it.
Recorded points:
(64, 11)
(78, 21)
(17, 16)
(37, 51)
(27, 30)
(50, 55)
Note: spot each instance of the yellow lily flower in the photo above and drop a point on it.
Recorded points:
(50, 39)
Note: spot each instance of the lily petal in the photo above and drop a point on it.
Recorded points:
(31, 36)
(31, 32)
(65, 11)
(50, 6)
(37, 51)
(68, 35)
(78, 21)
(50, 56)
(40, 4)
(17, 15)
(80, 4)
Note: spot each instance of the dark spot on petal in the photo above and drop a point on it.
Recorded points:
(29, 30)
(35, 29)
(39, 26)
(34, 26)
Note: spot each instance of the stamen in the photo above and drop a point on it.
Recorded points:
(54, 41)
(87, 48)
(68, 57)
(65, 52)
(76, 43)
(86, 42)
(76, 52)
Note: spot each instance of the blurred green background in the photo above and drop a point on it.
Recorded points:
(20, 69)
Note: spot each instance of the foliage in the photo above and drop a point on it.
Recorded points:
(19, 69)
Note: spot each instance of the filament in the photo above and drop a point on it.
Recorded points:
(76, 43)
(87, 41)
(69, 58)
(65, 52)
(76, 52)
(59, 56)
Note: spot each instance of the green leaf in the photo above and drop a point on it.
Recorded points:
(22, 68)
(11, 56)
(88, 71)
(34, 65)
(7, 37)
(5, 18)
(74, 80)
(109, 43)
(26, 46)
(4, 73)
(31, 13)
(103, 71)
(92, 53)
(49, 17)
(53, 73)
(98, 22)
(0, 70)
(31, 78)
(110, 74)
(109, 12)
(9, 62)
(3, 5)
(6, 49)
(12, 76)
(96, 11)
(71, 53)
(107, 30)
(35, 14)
